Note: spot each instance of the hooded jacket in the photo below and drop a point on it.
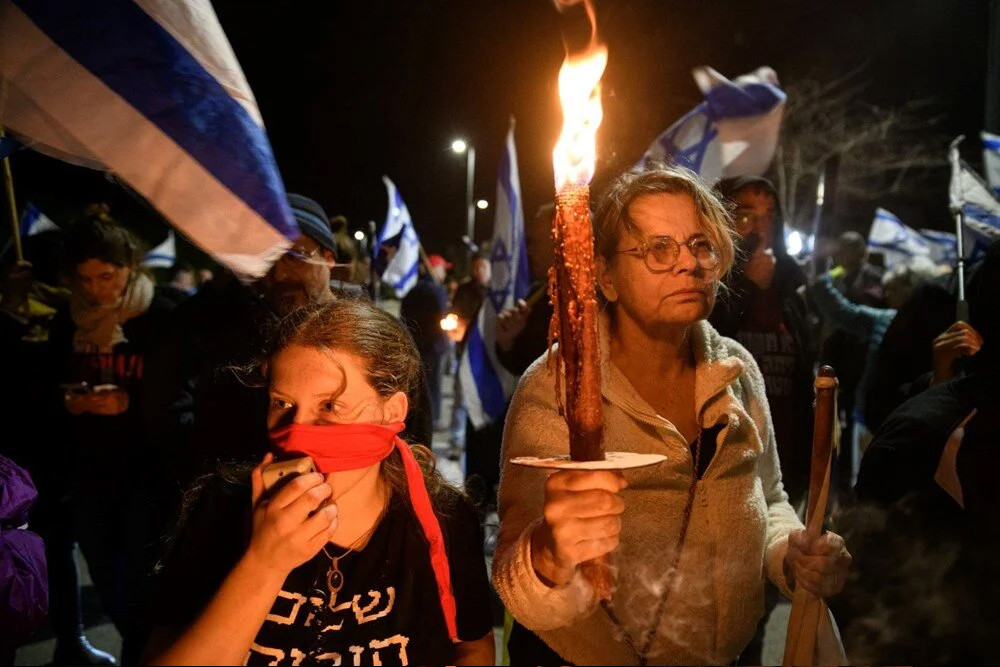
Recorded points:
(733, 309)
(738, 527)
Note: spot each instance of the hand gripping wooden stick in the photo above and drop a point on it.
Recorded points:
(800, 642)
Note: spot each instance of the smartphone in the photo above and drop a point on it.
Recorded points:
(97, 389)
(279, 473)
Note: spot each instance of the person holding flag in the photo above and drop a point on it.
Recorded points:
(486, 385)
(931, 332)
(398, 246)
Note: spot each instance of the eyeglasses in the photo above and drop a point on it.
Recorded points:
(662, 252)
(300, 254)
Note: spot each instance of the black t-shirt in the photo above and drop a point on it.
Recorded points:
(387, 612)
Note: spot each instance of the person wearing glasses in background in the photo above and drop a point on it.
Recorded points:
(693, 538)
(220, 330)
(765, 312)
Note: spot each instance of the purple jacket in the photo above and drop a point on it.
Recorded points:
(24, 587)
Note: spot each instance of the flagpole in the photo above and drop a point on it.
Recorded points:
(957, 203)
(817, 218)
(427, 262)
(8, 182)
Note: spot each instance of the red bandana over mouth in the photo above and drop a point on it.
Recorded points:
(342, 447)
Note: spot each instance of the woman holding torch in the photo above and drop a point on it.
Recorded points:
(693, 537)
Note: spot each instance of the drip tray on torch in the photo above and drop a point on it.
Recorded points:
(612, 461)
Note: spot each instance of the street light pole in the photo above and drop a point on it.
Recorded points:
(469, 185)
(461, 146)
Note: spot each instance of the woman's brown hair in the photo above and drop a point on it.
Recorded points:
(96, 235)
(391, 362)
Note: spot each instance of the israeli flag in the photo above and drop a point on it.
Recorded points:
(486, 384)
(33, 221)
(164, 255)
(734, 132)
(401, 271)
(991, 160)
(943, 247)
(151, 91)
(897, 242)
(980, 209)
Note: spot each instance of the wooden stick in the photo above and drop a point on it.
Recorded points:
(427, 262)
(807, 610)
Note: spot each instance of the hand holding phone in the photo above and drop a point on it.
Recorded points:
(279, 473)
(293, 521)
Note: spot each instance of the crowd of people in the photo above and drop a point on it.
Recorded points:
(164, 420)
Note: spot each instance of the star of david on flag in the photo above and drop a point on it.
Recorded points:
(486, 384)
(734, 132)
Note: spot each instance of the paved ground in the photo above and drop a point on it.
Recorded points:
(104, 636)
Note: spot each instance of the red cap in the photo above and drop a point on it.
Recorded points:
(438, 260)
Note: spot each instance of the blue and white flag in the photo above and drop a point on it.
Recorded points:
(943, 247)
(897, 242)
(33, 221)
(734, 132)
(151, 91)
(164, 255)
(486, 384)
(980, 209)
(402, 270)
(991, 160)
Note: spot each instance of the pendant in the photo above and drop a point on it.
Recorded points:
(334, 582)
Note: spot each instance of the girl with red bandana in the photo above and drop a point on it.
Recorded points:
(371, 560)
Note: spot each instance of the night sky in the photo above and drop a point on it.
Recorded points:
(351, 91)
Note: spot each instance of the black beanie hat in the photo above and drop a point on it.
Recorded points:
(312, 220)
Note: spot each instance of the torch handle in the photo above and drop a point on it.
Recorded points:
(823, 426)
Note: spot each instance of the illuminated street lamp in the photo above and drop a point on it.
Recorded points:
(482, 204)
(461, 146)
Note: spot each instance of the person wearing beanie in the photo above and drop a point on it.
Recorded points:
(302, 275)
(219, 331)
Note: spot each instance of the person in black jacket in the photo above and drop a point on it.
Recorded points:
(422, 310)
(115, 478)
(904, 364)
(765, 313)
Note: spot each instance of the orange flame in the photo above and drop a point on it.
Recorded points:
(575, 153)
